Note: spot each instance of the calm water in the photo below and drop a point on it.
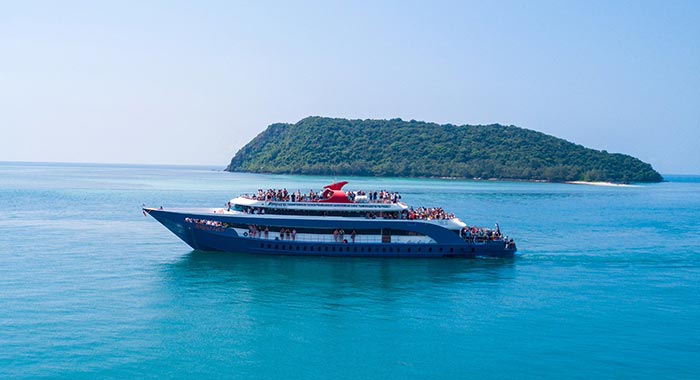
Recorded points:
(606, 285)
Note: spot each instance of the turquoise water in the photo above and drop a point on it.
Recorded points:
(606, 284)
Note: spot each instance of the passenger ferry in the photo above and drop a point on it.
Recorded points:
(331, 223)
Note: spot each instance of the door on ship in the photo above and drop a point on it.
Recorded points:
(386, 235)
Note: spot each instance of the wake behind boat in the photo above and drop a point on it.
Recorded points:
(331, 223)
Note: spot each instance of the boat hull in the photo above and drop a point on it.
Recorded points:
(206, 237)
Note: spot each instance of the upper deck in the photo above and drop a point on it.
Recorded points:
(319, 206)
(333, 201)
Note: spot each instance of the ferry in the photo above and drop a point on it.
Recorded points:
(331, 222)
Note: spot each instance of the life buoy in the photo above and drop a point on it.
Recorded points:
(245, 234)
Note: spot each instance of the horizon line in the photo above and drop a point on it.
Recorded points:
(223, 167)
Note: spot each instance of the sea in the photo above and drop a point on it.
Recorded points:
(605, 284)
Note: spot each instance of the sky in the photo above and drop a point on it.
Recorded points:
(191, 82)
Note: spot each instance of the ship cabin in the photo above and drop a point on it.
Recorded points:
(350, 210)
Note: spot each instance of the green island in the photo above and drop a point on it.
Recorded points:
(397, 148)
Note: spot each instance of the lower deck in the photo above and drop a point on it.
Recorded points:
(227, 240)
(212, 235)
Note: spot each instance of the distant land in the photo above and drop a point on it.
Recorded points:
(397, 148)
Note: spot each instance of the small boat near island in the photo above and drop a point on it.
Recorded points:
(331, 222)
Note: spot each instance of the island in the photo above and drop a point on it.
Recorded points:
(397, 148)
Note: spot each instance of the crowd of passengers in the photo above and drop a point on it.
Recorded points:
(291, 234)
(481, 233)
(264, 232)
(282, 195)
(420, 213)
(427, 213)
(206, 222)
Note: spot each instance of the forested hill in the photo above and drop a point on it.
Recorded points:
(397, 148)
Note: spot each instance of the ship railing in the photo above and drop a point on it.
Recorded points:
(481, 239)
(319, 238)
(315, 200)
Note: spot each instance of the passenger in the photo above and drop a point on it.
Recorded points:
(352, 236)
(335, 235)
(294, 234)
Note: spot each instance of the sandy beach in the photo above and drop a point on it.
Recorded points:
(601, 184)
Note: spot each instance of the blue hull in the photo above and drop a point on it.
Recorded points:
(211, 238)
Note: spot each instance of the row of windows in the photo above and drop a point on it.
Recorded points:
(328, 231)
(353, 248)
(346, 214)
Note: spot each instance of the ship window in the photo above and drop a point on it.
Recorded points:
(297, 247)
(311, 248)
(327, 249)
(262, 245)
(276, 246)
(430, 249)
(333, 249)
(452, 250)
(418, 249)
(362, 249)
(440, 249)
(355, 249)
(408, 249)
(304, 248)
(472, 249)
(268, 246)
(383, 249)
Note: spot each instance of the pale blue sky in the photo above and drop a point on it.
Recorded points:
(191, 82)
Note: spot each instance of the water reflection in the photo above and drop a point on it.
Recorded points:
(356, 273)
